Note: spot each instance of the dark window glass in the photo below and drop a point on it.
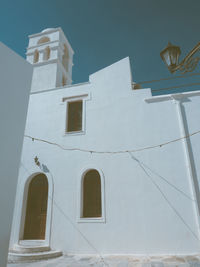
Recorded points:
(92, 195)
(74, 116)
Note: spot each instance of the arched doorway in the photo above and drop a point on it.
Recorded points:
(36, 208)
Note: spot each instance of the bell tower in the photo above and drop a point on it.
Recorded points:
(52, 58)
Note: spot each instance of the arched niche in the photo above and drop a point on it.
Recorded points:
(47, 52)
(65, 57)
(36, 56)
(43, 40)
(64, 80)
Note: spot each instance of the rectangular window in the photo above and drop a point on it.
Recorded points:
(74, 116)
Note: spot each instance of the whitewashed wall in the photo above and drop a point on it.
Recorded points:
(148, 210)
(15, 82)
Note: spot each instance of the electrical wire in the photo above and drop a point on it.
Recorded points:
(170, 78)
(161, 177)
(175, 87)
(84, 237)
(165, 197)
(110, 152)
(167, 182)
(164, 179)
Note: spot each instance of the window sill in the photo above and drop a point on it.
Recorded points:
(91, 220)
(74, 133)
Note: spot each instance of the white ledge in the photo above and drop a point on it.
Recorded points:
(40, 45)
(171, 96)
(91, 220)
(59, 88)
(43, 33)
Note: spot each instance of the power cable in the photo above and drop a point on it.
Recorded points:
(175, 87)
(166, 181)
(165, 197)
(84, 237)
(170, 78)
(161, 177)
(110, 152)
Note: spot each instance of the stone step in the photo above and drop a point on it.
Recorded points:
(15, 257)
(29, 249)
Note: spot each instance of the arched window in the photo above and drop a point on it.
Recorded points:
(91, 195)
(43, 40)
(36, 56)
(47, 52)
(65, 58)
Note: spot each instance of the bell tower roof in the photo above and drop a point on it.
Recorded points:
(48, 29)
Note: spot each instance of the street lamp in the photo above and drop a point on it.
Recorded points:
(170, 55)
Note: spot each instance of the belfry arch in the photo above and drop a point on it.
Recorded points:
(65, 57)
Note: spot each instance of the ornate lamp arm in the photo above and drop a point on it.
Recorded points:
(189, 63)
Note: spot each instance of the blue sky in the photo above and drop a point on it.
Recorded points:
(102, 32)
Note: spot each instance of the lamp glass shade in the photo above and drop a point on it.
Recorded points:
(170, 55)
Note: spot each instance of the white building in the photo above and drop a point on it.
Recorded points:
(15, 77)
(105, 169)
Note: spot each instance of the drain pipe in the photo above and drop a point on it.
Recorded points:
(177, 100)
